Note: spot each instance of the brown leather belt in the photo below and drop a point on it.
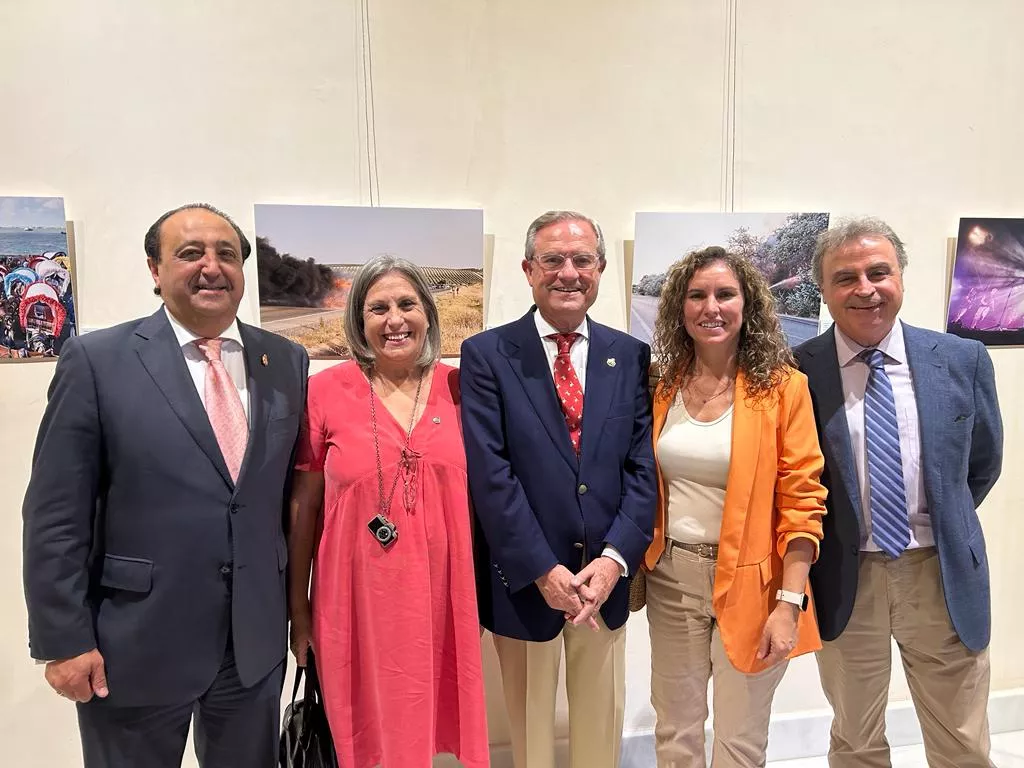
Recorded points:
(706, 551)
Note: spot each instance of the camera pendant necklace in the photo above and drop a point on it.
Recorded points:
(381, 526)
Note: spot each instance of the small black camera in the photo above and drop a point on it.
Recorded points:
(383, 530)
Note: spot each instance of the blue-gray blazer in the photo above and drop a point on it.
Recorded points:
(961, 457)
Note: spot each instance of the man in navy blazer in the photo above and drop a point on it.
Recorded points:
(922, 580)
(154, 551)
(557, 423)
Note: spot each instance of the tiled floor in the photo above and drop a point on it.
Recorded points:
(1007, 752)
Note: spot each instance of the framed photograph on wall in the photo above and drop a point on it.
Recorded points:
(986, 295)
(779, 244)
(37, 297)
(307, 256)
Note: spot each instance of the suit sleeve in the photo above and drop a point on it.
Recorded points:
(303, 372)
(799, 494)
(59, 511)
(986, 457)
(633, 528)
(514, 536)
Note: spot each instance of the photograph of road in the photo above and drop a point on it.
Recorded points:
(986, 297)
(779, 244)
(307, 256)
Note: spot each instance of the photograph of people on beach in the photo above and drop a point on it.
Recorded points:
(37, 303)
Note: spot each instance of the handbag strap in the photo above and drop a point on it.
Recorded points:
(312, 689)
(295, 688)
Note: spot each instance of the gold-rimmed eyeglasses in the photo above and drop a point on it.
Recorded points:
(581, 262)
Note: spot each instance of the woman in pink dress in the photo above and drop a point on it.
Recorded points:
(380, 514)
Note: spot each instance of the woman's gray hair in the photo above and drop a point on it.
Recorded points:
(846, 230)
(367, 275)
(554, 217)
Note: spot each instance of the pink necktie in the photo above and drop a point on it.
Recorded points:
(567, 384)
(224, 407)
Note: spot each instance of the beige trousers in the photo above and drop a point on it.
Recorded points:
(687, 650)
(903, 599)
(595, 681)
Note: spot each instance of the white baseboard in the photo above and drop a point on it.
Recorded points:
(805, 734)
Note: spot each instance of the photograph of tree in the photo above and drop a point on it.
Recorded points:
(307, 255)
(779, 244)
(37, 303)
(986, 297)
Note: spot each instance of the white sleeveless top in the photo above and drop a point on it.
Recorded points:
(694, 460)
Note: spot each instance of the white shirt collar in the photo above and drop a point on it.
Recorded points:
(892, 346)
(545, 329)
(186, 337)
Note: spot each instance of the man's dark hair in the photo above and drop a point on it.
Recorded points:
(152, 241)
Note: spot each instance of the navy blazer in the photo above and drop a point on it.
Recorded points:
(536, 504)
(136, 540)
(961, 456)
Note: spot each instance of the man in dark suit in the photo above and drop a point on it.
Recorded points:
(557, 424)
(154, 554)
(909, 424)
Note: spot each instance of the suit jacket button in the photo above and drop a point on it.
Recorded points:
(578, 545)
(233, 508)
(225, 570)
(582, 489)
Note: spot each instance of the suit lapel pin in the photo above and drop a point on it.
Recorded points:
(264, 360)
(610, 362)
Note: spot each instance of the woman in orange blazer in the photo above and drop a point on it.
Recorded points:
(739, 512)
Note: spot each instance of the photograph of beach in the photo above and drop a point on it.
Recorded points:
(37, 303)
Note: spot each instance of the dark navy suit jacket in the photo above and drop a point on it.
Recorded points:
(136, 540)
(961, 456)
(536, 504)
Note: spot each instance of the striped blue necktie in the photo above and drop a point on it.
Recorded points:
(890, 526)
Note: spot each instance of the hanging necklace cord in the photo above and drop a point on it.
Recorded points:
(385, 504)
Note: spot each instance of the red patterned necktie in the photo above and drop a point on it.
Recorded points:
(224, 407)
(567, 384)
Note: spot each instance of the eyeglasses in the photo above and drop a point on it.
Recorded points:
(581, 262)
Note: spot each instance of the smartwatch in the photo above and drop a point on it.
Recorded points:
(799, 599)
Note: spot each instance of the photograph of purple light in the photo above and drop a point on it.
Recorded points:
(986, 297)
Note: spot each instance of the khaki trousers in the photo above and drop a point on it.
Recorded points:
(903, 599)
(687, 650)
(595, 681)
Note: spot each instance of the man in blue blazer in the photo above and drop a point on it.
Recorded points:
(154, 550)
(910, 428)
(557, 423)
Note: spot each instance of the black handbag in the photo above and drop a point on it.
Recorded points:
(306, 736)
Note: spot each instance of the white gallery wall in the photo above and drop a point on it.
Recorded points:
(911, 111)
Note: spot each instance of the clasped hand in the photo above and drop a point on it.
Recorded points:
(580, 596)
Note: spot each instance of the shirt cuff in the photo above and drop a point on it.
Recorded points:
(613, 553)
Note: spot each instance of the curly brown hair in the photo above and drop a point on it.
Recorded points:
(763, 354)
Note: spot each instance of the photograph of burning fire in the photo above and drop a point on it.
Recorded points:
(779, 244)
(307, 256)
(37, 305)
(986, 297)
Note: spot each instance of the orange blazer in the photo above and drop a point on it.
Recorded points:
(772, 496)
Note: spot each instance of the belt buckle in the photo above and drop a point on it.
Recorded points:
(705, 551)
